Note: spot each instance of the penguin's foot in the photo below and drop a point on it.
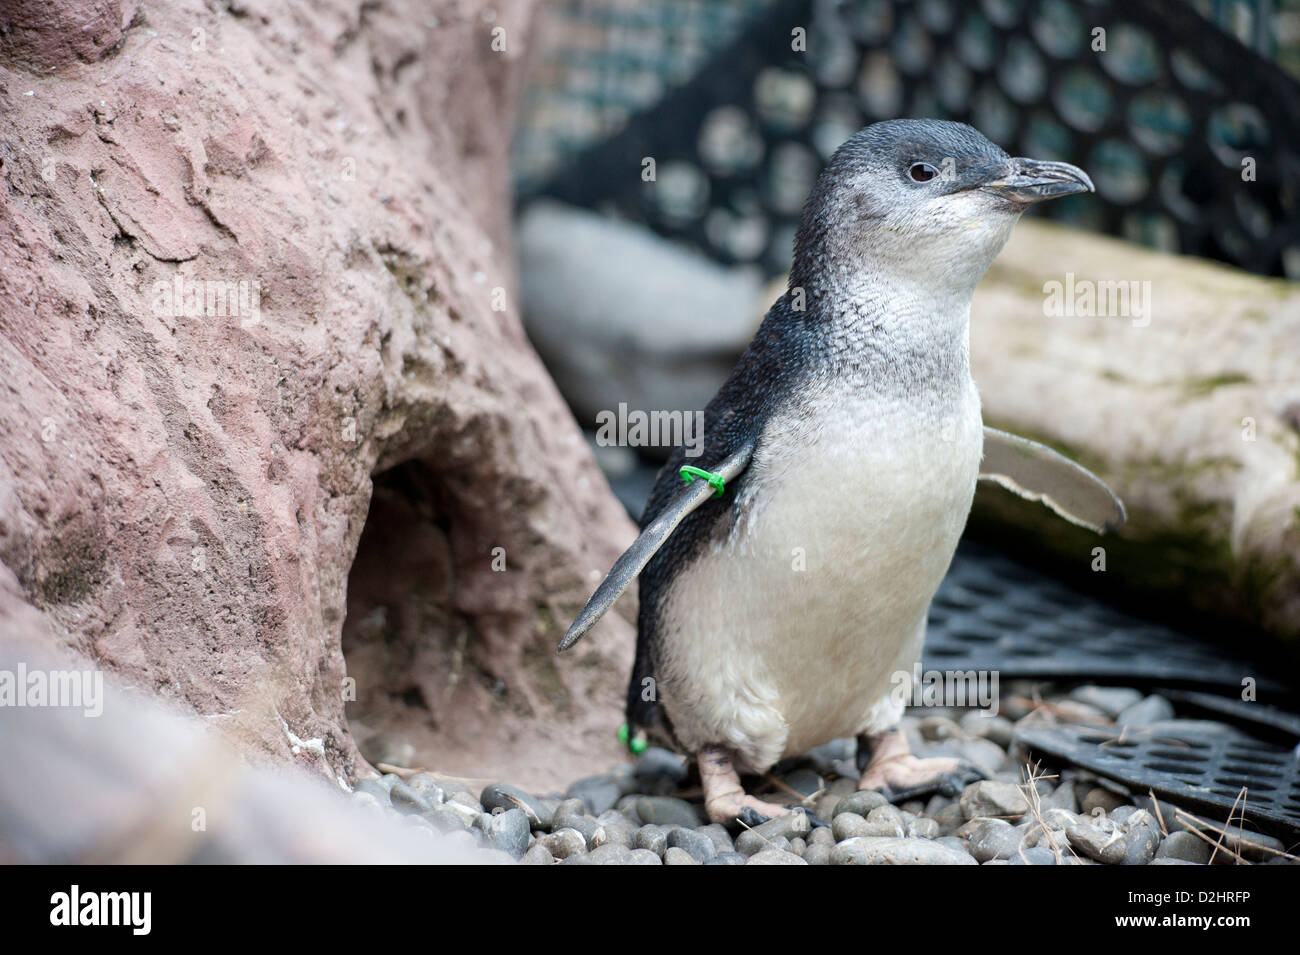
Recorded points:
(898, 775)
(725, 799)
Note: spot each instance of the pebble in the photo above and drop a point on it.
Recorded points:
(1111, 700)
(775, 857)
(727, 858)
(626, 807)
(1039, 855)
(1101, 798)
(504, 796)
(835, 792)
(1143, 713)
(1141, 843)
(860, 802)
(659, 772)
(598, 793)
(952, 842)
(992, 798)
(563, 843)
(722, 840)
(1252, 845)
(984, 755)
(427, 786)
(934, 728)
(467, 815)
(652, 837)
(444, 820)
(990, 839)
(608, 854)
(886, 821)
(1063, 796)
(806, 782)
(1096, 843)
(406, 799)
(1121, 813)
(538, 855)
(835, 758)
(509, 831)
(367, 801)
(782, 827)
(889, 851)
(1182, 846)
(949, 818)
(464, 798)
(1069, 711)
(698, 845)
(666, 810)
(922, 828)
(848, 825)
(613, 833)
(572, 814)
(643, 857)
(1058, 819)
(817, 855)
(678, 856)
(373, 787)
(995, 729)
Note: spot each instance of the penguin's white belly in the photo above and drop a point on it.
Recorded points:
(794, 630)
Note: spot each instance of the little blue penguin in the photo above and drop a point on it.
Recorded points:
(785, 582)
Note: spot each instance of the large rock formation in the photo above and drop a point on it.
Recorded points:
(254, 258)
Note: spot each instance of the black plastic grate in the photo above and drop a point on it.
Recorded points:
(1201, 770)
(1263, 719)
(992, 613)
(1162, 119)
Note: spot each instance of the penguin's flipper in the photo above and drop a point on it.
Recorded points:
(1036, 472)
(648, 543)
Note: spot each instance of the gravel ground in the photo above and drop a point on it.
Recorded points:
(650, 812)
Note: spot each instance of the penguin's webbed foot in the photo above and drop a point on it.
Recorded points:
(899, 776)
(725, 800)
(911, 777)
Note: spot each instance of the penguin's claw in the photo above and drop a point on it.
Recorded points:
(751, 817)
(905, 777)
(738, 807)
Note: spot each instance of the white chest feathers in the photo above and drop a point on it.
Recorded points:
(788, 633)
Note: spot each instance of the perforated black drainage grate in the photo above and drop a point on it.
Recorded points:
(1172, 121)
(1264, 720)
(992, 613)
(1201, 767)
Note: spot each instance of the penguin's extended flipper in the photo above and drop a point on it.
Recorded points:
(648, 543)
(1036, 472)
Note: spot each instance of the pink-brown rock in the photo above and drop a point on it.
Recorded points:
(254, 261)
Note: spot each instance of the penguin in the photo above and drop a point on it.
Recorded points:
(787, 570)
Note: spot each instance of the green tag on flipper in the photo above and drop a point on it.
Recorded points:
(635, 746)
(689, 474)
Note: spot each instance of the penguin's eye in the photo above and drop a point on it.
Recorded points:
(922, 172)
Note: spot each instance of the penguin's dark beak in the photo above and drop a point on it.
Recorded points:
(1033, 180)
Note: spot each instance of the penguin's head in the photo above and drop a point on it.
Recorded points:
(925, 198)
